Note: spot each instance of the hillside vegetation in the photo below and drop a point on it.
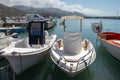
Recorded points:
(10, 11)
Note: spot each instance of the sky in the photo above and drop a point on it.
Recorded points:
(88, 7)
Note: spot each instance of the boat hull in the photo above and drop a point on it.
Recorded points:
(21, 59)
(81, 67)
(71, 74)
(21, 62)
(112, 49)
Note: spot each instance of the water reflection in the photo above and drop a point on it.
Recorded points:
(111, 63)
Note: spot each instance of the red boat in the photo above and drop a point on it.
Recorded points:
(111, 41)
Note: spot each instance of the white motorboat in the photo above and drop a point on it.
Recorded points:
(71, 54)
(109, 40)
(27, 52)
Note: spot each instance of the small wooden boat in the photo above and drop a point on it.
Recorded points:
(28, 51)
(110, 40)
(71, 54)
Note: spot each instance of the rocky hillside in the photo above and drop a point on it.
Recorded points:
(10, 11)
(20, 10)
(45, 11)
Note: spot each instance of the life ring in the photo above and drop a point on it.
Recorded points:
(97, 27)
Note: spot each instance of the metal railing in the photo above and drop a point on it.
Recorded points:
(78, 61)
(84, 61)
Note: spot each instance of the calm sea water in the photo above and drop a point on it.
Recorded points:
(105, 66)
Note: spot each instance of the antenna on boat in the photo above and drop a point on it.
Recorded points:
(81, 25)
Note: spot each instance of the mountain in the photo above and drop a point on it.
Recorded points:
(20, 10)
(46, 11)
(10, 11)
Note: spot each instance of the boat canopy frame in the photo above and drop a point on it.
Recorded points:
(73, 17)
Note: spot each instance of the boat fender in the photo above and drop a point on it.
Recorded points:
(59, 43)
(85, 45)
(2, 52)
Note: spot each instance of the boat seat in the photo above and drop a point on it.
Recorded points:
(69, 57)
(116, 42)
(72, 42)
(23, 43)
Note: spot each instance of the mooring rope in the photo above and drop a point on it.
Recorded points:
(20, 62)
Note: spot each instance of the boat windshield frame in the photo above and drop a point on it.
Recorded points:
(73, 17)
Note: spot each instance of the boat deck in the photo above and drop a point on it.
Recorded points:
(114, 42)
(111, 37)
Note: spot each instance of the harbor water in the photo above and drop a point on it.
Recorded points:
(105, 67)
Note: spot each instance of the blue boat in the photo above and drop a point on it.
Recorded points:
(13, 29)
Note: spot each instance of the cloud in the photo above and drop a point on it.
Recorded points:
(55, 4)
